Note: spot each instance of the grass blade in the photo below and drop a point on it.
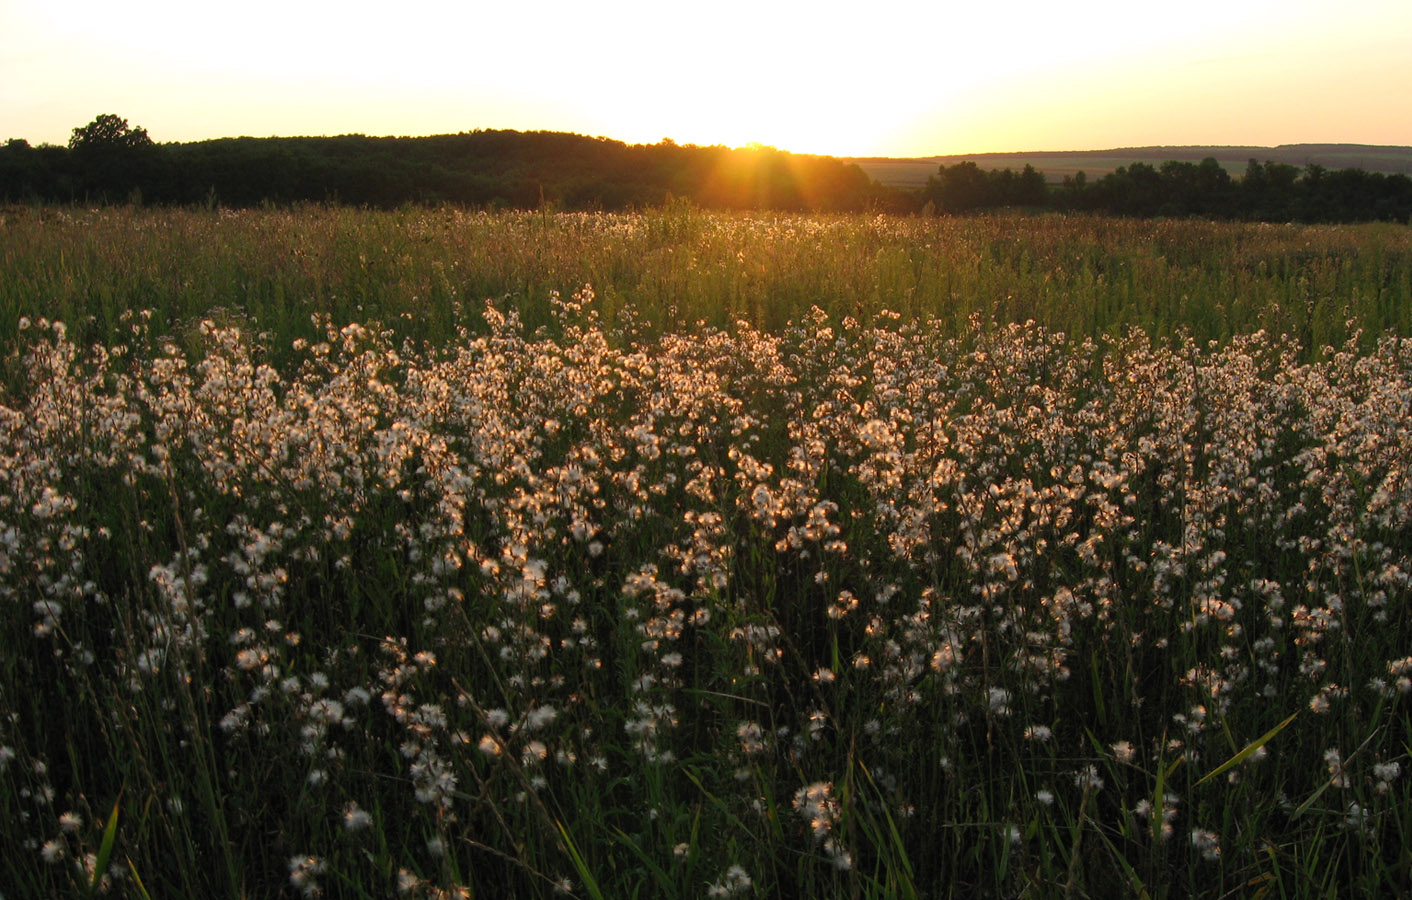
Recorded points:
(580, 864)
(137, 880)
(1249, 749)
(105, 849)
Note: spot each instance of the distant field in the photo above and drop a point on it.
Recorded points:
(1097, 163)
(425, 273)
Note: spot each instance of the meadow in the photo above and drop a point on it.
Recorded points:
(425, 273)
(432, 553)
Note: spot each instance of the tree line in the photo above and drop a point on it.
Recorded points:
(109, 161)
(1268, 191)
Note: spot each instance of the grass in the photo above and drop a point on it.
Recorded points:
(570, 594)
(424, 273)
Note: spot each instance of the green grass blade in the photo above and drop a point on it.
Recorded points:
(1249, 749)
(137, 880)
(580, 864)
(105, 849)
(1134, 880)
(896, 850)
(718, 803)
(664, 881)
(1159, 793)
(1304, 807)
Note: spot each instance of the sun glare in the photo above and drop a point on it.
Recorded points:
(897, 78)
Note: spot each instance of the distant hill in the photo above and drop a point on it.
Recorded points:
(911, 173)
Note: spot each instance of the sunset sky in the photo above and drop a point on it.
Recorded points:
(895, 78)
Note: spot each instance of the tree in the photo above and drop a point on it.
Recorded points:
(114, 160)
(1191, 189)
(1134, 190)
(961, 188)
(1030, 188)
(109, 132)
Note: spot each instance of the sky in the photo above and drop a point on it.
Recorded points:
(892, 78)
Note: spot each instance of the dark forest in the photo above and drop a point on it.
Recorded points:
(109, 161)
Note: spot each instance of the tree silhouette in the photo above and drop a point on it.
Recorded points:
(113, 158)
(960, 188)
(109, 160)
(109, 132)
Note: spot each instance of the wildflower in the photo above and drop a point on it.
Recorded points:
(356, 819)
(234, 719)
(818, 807)
(1386, 774)
(943, 658)
(540, 716)
(302, 870)
(735, 880)
(327, 711)
(1088, 779)
(433, 780)
(1334, 760)
(842, 859)
(751, 737)
(1207, 843)
(999, 700)
(52, 851)
(1357, 818)
(70, 822)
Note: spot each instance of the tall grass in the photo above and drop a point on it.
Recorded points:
(424, 273)
(835, 610)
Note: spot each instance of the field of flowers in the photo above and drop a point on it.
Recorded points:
(901, 607)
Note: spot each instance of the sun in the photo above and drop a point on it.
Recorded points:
(897, 78)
